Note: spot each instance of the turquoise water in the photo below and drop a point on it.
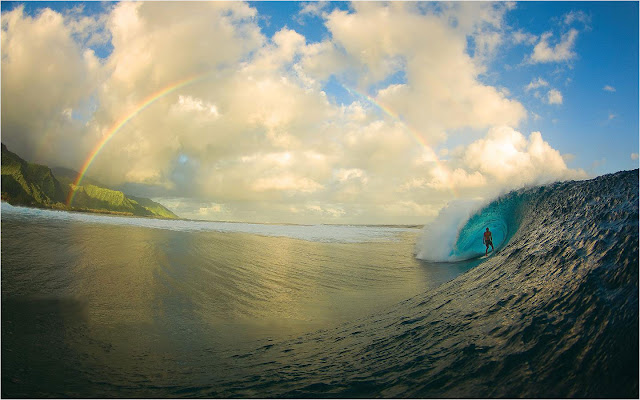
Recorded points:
(502, 219)
(96, 306)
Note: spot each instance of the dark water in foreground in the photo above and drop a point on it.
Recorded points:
(110, 307)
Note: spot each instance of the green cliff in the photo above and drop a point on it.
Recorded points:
(35, 185)
(29, 184)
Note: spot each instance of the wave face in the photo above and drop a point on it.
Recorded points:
(456, 234)
(502, 219)
(553, 314)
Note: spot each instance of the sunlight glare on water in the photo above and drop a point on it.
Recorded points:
(135, 294)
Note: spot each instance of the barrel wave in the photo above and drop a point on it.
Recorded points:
(502, 219)
(552, 314)
(457, 233)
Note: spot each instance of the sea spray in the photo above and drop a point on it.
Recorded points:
(136, 312)
(457, 232)
(438, 238)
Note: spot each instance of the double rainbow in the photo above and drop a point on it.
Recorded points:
(123, 121)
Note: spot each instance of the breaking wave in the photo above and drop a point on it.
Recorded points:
(456, 234)
(553, 314)
(312, 233)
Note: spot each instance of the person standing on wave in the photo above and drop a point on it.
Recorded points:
(488, 241)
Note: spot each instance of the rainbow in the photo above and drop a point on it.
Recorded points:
(149, 100)
(395, 116)
(414, 132)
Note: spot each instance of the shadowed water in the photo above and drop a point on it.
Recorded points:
(121, 306)
(105, 308)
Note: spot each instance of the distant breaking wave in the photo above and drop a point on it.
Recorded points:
(311, 233)
(553, 314)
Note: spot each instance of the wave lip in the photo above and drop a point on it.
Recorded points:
(457, 233)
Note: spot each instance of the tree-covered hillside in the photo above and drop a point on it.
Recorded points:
(35, 185)
(29, 184)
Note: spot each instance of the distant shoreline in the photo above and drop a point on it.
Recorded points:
(130, 215)
(86, 211)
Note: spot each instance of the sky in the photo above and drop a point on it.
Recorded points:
(322, 112)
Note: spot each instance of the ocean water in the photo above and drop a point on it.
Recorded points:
(101, 306)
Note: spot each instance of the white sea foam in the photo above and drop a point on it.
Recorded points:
(313, 233)
(437, 239)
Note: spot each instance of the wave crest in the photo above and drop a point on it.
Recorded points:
(457, 232)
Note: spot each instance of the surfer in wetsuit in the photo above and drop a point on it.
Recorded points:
(488, 241)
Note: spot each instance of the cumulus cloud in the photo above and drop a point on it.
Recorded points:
(608, 88)
(562, 51)
(535, 84)
(255, 137)
(508, 157)
(188, 104)
(286, 183)
(46, 75)
(503, 160)
(212, 209)
(322, 210)
(446, 179)
(313, 8)
(554, 97)
(442, 90)
(343, 175)
(577, 16)
(519, 37)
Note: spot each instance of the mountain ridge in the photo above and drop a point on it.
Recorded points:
(35, 185)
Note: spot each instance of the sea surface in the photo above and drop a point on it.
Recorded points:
(106, 306)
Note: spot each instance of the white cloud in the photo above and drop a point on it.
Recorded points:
(535, 84)
(257, 138)
(191, 104)
(577, 16)
(508, 157)
(314, 8)
(554, 97)
(442, 89)
(408, 208)
(445, 179)
(502, 160)
(562, 51)
(519, 37)
(608, 88)
(210, 210)
(37, 94)
(321, 60)
(324, 210)
(343, 175)
(286, 183)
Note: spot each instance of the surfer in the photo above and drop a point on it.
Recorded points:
(488, 241)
